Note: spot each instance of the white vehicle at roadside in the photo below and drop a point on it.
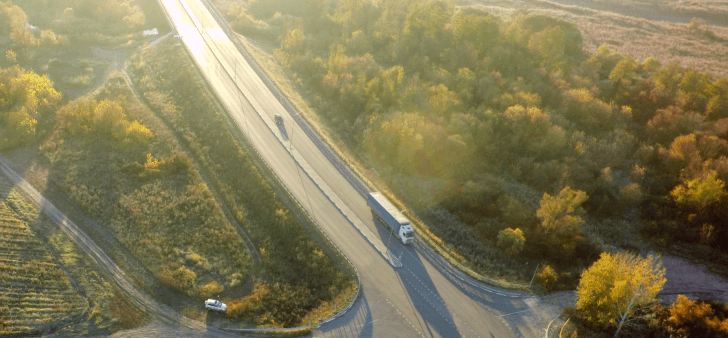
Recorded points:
(215, 305)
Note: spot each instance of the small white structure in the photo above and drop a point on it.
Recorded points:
(30, 27)
(150, 32)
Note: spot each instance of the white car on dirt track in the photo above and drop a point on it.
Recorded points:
(216, 305)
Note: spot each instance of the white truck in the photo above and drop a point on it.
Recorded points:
(385, 212)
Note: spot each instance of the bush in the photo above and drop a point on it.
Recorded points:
(511, 241)
(547, 277)
(690, 318)
(210, 289)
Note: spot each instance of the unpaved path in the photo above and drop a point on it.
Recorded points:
(166, 320)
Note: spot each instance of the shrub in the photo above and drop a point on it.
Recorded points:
(511, 241)
(690, 318)
(547, 277)
(210, 289)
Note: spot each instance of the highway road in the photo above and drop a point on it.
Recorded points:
(425, 296)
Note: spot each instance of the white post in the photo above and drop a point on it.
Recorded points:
(534, 275)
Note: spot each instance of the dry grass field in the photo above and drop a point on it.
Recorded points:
(682, 32)
(34, 291)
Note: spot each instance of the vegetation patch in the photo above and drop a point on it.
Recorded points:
(100, 294)
(301, 272)
(36, 292)
(486, 125)
(116, 168)
(74, 42)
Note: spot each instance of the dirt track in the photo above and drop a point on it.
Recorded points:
(166, 320)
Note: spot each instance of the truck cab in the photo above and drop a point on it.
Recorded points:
(406, 234)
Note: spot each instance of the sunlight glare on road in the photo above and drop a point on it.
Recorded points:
(216, 33)
(189, 33)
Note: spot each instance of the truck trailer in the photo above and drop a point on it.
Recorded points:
(385, 212)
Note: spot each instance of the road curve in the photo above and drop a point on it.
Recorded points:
(426, 296)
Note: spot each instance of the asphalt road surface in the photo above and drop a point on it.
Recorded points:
(424, 297)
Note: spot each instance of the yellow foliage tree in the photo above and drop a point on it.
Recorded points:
(547, 277)
(690, 318)
(106, 117)
(23, 96)
(559, 213)
(511, 241)
(35, 92)
(616, 285)
(701, 191)
(137, 133)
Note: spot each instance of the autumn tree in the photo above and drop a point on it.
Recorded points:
(616, 286)
(511, 241)
(11, 57)
(16, 20)
(562, 212)
(672, 122)
(25, 97)
(102, 118)
(700, 192)
(561, 222)
(690, 318)
(244, 22)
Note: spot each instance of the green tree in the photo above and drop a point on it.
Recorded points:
(423, 33)
(625, 71)
(550, 44)
(477, 28)
(616, 286)
(717, 107)
(512, 241)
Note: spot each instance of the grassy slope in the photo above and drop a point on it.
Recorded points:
(167, 218)
(303, 263)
